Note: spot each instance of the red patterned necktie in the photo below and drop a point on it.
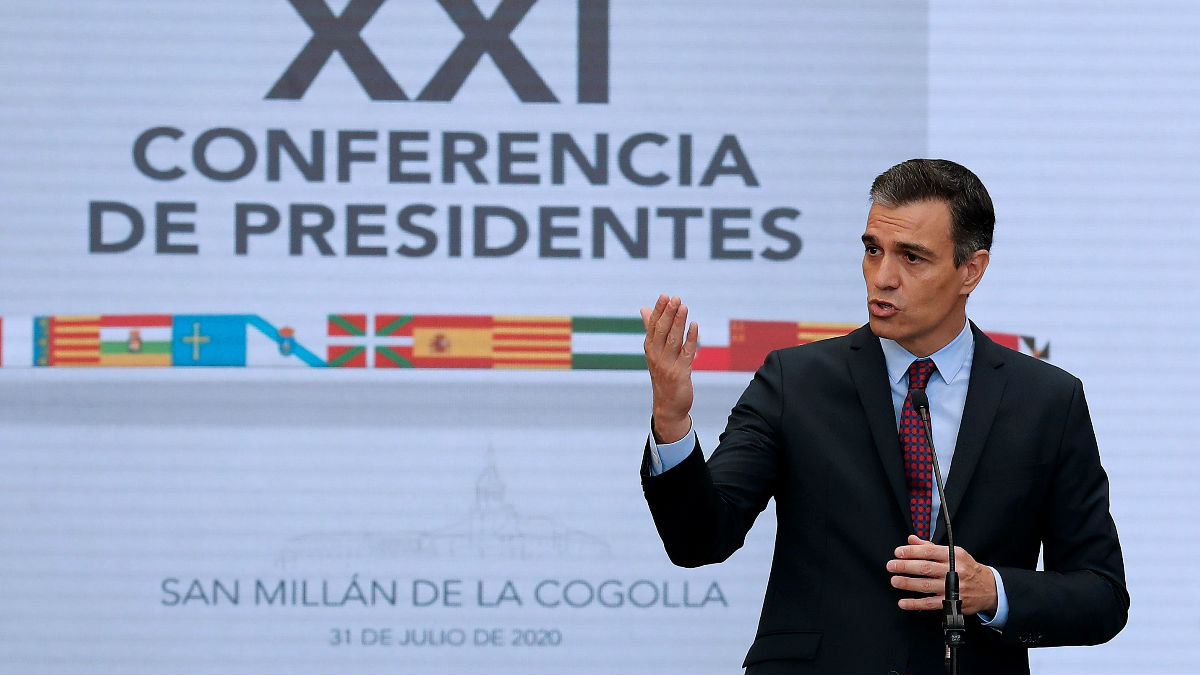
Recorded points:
(918, 460)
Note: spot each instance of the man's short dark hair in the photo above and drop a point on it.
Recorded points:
(971, 213)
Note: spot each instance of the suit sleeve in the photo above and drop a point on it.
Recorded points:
(1080, 598)
(703, 510)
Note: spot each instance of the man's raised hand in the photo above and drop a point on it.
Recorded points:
(669, 356)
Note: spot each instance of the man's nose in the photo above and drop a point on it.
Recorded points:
(887, 273)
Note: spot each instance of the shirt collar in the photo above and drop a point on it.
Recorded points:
(949, 359)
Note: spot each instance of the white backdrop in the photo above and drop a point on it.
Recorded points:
(151, 514)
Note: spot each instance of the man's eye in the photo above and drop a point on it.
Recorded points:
(912, 257)
(872, 250)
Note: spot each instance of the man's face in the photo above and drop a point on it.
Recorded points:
(915, 294)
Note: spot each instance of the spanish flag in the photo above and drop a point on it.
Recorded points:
(454, 341)
(433, 341)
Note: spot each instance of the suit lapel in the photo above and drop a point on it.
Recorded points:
(869, 372)
(988, 379)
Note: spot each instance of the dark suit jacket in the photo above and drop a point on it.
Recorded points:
(816, 430)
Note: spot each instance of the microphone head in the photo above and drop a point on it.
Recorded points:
(919, 400)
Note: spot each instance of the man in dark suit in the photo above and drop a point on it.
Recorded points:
(826, 430)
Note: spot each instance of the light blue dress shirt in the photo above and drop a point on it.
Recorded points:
(947, 391)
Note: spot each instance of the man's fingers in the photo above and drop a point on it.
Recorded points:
(921, 604)
(921, 567)
(669, 337)
(660, 306)
(692, 343)
(918, 568)
(919, 584)
(925, 551)
(666, 318)
(675, 336)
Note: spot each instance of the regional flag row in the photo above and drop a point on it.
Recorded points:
(388, 340)
(480, 341)
(122, 340)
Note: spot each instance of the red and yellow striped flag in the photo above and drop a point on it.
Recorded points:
(541, 342)
(68, 340)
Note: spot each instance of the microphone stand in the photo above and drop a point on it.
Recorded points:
(954, 625)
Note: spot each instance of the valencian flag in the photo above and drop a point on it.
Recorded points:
(66, 341)
(102, 340)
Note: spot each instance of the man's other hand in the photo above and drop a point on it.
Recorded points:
(926, 564)
(669, 356)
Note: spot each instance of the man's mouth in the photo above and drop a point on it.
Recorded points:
(882, 308)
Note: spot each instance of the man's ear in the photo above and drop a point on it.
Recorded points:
(972, 270)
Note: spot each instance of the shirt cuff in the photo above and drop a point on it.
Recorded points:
(666, 456)
(1001, 618)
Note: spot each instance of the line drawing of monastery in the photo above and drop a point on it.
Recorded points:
(491, 529)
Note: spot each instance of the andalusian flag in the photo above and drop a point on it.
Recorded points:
(607, 343)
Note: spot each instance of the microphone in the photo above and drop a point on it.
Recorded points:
(954, 625)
